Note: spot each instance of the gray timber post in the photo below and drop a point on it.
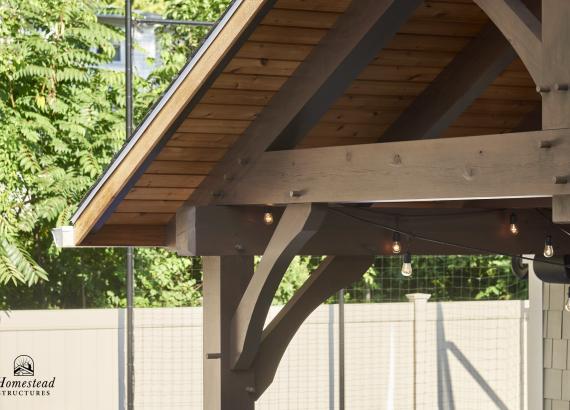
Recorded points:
(555, 115)
(225, 281)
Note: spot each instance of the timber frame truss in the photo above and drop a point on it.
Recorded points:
(452, 182)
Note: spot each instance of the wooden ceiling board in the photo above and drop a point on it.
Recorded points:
(425, 45)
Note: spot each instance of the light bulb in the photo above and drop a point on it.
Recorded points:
(268, 218)
(407, 265)
(513, 225)
(396, 246)
(548, 248)
(567, 305)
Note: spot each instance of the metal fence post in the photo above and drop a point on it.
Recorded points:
(419, 342)
(341, 396)
(130, 250)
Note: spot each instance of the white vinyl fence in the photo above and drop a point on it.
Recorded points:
(422, 355)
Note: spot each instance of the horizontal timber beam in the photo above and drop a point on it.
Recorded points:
(212, 231)
(481, 167)
(356, 38)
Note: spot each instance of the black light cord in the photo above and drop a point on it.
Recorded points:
(552, 223)
(434, 241)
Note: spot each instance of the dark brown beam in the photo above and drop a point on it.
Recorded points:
(297, 225)
(481, 167)
(357, 37)
(127, 235)
(532, 121)
(213, 232)
(457, 87)
(333, 274)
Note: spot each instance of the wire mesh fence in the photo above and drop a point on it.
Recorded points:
(445, 278)
(399, 352)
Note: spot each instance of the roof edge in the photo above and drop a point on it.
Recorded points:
(209, 39)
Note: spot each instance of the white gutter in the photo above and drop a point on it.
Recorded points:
(63, 237)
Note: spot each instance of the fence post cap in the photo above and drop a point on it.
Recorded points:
(419, 297)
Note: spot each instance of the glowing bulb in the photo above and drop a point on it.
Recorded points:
(396, 246)
(407, 265)
(513, 225)
(548, 248)
(268, 218)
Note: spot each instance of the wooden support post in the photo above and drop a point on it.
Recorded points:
(225, 280)
(297, 225)
(555, 63)
(333, 274)
(561, 209)
(555, 81)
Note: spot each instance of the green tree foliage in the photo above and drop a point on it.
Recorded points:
(59, 122)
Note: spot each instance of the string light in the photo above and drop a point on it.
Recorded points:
(268, 218)
(567, 305)
(396, 245)
(407, 265)
(513, 224)
(548, 248)
(433, 240)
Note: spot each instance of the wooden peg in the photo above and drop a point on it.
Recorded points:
(544, 144)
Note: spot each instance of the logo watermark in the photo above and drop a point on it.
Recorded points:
(24, 382)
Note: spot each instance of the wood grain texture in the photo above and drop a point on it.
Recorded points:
(521, 28)
(455, 88)
(297, 225)
(306, 94)
(409, 65)
(215, 230)
(167, 194)
(440, 169)
(333, 274)
(123, 235)
(171, 110)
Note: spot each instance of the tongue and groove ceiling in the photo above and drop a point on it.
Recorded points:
(423, 47)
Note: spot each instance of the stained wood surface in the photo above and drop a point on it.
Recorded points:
(424, 46)
(481, 167)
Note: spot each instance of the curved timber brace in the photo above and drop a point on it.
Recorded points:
(333, 274)
(240, 356)
(521, 27)
(297, 225)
